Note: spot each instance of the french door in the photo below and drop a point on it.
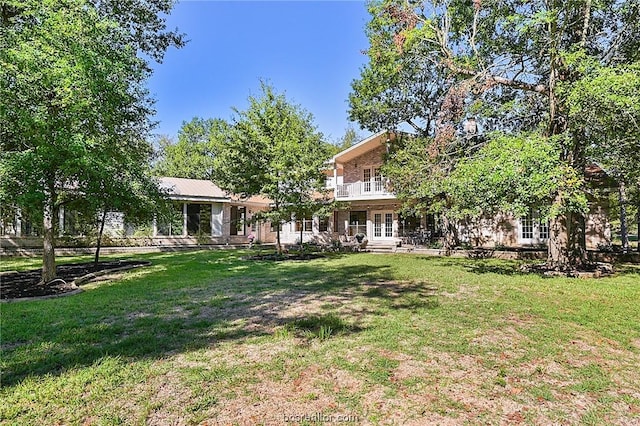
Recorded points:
(382, 225)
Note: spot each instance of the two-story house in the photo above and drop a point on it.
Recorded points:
(367, 206)
(205, 214)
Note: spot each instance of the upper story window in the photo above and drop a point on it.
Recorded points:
(372, 179)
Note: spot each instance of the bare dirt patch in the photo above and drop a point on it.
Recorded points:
(170, 399)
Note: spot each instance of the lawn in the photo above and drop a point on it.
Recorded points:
(207, 337)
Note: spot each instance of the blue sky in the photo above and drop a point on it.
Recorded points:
(311, 50)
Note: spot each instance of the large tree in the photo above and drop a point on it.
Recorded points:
(605, 102)
(72, 91)
(192, 155)
(273, 149)
(514, 64)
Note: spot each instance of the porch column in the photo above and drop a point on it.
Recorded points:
(18, 230)
(184, 219)
(154, 231)
(395, 226)
(61, 221)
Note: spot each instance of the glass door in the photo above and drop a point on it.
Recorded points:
(382, 225)
(377, 225)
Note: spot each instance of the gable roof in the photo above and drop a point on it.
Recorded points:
(362, 147)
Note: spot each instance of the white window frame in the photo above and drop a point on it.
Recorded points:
(306, 223)
(374, 182)
(366, 179)
(539, 230)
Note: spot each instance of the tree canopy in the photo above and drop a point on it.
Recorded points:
(526, 71)
(73, 102)
(192, 155)
(273, 149)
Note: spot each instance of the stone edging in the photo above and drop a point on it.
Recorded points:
(75, 283)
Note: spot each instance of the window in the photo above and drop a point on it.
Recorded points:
(72, 222)
(205, 219)
(366, 178)
(199, 219)
(388, 225)
(172, 223)
(377, 177)
(304, 225)
(372, 176)
(238, 216)
(357, 222)
(408, 224)
(323, 224)
(526, 227)
(543, 230)
(274, 226)
(372, 180)
(533, 229)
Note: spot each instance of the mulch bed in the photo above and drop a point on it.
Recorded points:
(24, 284)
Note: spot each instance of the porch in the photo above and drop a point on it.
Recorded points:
(363, 190)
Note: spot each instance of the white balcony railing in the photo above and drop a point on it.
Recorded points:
(371, 189)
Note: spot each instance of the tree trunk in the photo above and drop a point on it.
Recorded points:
(450, 237)
(638, 220)
(48, 243)
(624, 228)
(278, 245)
(567, 240)
(301, 233)
(99, 242)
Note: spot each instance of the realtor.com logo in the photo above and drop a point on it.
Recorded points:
(320, 418)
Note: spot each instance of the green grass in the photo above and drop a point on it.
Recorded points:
(209, 337)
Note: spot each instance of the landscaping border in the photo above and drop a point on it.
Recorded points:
(79, 281)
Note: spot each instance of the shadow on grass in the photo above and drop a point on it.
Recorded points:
(404, 295)
(184, 302)
(479, 265)
(627, 269)
(512, 267)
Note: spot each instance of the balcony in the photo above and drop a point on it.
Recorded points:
(363, 190)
